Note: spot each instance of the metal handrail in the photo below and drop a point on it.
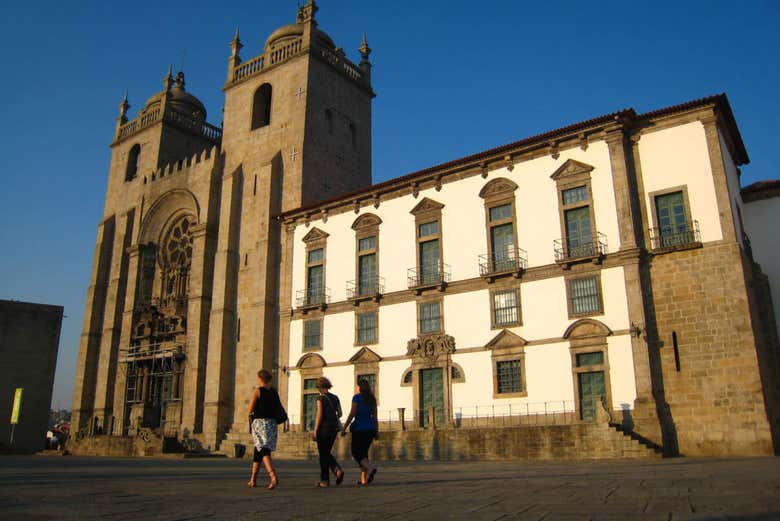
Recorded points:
(365, 287)
(313, 297)
(428, 275)
(515, 259)
(670, 237)
(567, 248)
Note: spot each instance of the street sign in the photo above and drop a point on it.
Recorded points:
(17, 406)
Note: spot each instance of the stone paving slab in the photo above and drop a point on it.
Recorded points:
(35, 488)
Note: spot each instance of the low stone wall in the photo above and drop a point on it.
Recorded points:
(117, 446)
(544, 442)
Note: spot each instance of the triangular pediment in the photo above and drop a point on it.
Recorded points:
(506, 340)
(315, 234)
(311, 361)
(367, 220)
(499, 185)
(426, 205)
(569, 168)
(365, 356)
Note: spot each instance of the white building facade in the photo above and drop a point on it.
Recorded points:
(501, 284)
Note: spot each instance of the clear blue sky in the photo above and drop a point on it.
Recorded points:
(452, 78)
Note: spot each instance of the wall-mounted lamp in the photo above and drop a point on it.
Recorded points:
(635, 330)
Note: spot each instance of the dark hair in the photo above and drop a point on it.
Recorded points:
(366, 393)
(323, 383)
(265, 375)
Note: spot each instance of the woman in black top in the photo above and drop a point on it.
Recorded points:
(326, 428)
(265, 412)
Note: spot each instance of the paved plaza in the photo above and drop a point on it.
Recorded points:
(64, 488)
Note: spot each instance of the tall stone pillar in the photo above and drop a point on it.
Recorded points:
(122, 422)
(222, 327)
(719, 176)
(112, 321)
(624, 184)
(89, 344)
(285, 312)
(198, 308)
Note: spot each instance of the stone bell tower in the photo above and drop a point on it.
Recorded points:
(297, 129)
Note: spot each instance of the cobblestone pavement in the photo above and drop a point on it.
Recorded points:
(64, 488)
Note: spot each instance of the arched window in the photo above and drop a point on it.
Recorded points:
(261, 106)
(132, 162)
(176, 257)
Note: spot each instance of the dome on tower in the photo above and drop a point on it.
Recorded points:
(293, 31)
(181, 100)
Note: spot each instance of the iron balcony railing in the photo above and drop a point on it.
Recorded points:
(669, 237)
(365, 287)
(580, 246)
(312, 297)
(515, 259)
(428, 275)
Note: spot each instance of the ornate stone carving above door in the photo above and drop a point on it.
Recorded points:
(430, 348)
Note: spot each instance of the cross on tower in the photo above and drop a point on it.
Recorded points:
(300, 93)
(293, 154)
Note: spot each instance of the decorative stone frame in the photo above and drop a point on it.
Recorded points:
(310, 366)
(441, 358)
(368, 307)
(498, 192)
(366, 361)
(588, 336)
(570, 308)
(316, 239)
(367, 225)
(492, 294)
(321, 320)
(572, 174)
(688, 216)
(427, 300)
(424, 212)
(504, 347)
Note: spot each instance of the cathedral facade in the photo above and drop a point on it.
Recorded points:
(603, 265)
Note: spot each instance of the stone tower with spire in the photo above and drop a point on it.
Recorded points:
(297, 130)
(183, 303)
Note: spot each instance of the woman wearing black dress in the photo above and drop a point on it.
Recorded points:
(265, 412)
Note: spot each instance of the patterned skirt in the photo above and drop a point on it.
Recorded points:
(264, 433)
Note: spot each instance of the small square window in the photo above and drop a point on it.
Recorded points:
(312, 334)
(427, 229)
(309, 384)
(585, 359)
(316, 255)
(499, 213)
(366, 328)
(430, 317)
(367, 243)
(575, 195)
(509, 377)
(505, 308)
(584, 296)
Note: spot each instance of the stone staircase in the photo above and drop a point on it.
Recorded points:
(636, 443)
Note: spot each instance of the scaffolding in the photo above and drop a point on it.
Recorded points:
(153, 375)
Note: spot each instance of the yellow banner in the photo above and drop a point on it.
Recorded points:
(17, 405)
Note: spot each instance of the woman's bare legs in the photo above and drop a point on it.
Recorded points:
(253, 476)
(269, 468)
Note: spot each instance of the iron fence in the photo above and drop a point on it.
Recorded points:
(669, 237)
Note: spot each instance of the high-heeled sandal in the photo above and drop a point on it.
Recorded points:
(340, 478)
(274, 480)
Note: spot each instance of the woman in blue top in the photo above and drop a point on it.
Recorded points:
(364, 429)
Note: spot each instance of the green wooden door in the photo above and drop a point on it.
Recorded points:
(432, 394)
(672, 221)
(592, 388)
(502, 241)
(579, 235)
(309, 411)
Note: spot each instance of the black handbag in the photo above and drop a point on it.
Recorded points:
(281, 414)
